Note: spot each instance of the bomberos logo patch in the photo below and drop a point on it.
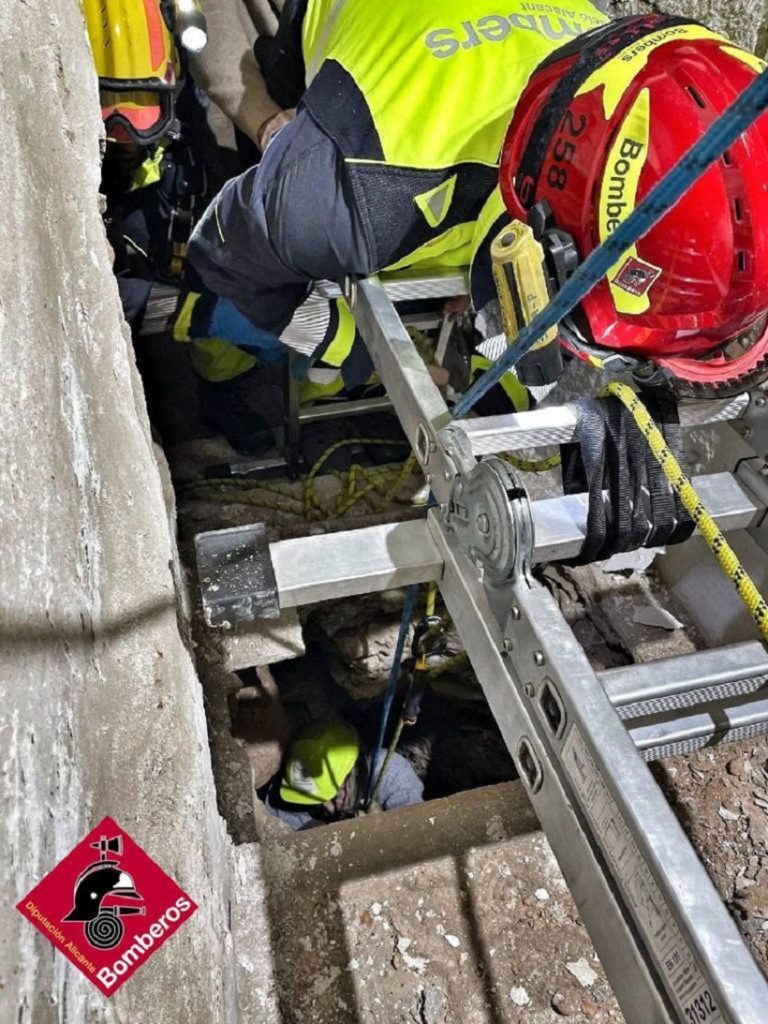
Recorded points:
(107, 906)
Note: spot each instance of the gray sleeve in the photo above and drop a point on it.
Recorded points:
(227, 69)
(401, 786)
(297, 820)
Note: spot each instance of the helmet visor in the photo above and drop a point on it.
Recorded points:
(140, 117)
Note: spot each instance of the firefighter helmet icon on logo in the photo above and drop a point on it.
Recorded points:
(107, 906)
(100, 881)
(636, 276)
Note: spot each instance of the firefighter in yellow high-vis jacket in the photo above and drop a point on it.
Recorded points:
(422, 129)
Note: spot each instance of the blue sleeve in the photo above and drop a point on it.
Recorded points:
(134, 295)
(298, 820)
(401, 786)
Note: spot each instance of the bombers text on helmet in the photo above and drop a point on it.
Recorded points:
(599, 124)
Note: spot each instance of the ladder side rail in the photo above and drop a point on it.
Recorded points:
(567, 740)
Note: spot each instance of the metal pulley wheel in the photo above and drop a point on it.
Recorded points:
(491, 512)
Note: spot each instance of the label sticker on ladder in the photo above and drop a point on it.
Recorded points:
(664, 938)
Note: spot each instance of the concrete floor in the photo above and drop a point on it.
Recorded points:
(453, 911)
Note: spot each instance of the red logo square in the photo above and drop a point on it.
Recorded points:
(636, 276)
(107, 906)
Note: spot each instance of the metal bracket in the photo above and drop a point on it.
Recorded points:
(490, 512)
(237, 580)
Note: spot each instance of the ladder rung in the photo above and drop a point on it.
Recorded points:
(352, 562)
(334, 565)
(557, 425)
(674, 684)
(718, 722)
(561, 523)
(407, 285)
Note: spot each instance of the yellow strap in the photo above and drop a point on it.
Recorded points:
(183, 319)
(341, 344)
(726, 557)
(150, 172)
(510, 384)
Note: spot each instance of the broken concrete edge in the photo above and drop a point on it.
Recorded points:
(259, 644)
(403, 837)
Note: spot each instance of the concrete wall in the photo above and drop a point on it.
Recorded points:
(100, 707)
(744, 21)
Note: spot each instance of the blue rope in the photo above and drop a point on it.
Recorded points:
(394, 675)
(722, 134)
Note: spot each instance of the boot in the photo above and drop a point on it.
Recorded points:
(223, 409)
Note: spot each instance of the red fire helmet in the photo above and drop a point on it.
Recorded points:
(598, 126)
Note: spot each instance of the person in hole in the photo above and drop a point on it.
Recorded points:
(324, 777)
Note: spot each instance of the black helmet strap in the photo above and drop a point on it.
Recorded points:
(594, 49)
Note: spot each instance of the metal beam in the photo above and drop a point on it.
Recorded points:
(491, 435)
(743, 718)
(675, 683)
(600, 905)
(410, 285)
(419, 405)
(634, 876)
(334, 410)
(335, 565)
(561, 523)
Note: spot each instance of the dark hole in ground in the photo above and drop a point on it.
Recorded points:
(455, 744)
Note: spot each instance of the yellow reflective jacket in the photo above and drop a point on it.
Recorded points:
(418, 98)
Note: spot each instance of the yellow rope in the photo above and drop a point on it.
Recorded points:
(358, 484)
(377, 486)
(727, 558)
(532, 466)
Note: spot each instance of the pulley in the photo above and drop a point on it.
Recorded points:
(490, 512)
